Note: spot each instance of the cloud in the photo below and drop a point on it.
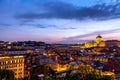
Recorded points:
(53, 10)
(3, 24)
(46, 26)
(87, 37)
(35, 25)
(62, 28)
(68, 11)
(95, 33)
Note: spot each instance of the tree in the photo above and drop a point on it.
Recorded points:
(106, 78)
(85, 72)
(6, 74)
(43, 69)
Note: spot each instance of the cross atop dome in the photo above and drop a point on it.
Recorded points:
(99, 36)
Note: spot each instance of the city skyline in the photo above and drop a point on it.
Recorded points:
(59, 21)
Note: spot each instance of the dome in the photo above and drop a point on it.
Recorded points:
(99, 36)
(99, 39)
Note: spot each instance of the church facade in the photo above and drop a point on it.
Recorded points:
(97, 43)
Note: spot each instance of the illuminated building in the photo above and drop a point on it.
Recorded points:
(59, 67)
(90, 44)
(14, 63)
(95, 58)
(99, 39)
(102, 44)
(97, 43)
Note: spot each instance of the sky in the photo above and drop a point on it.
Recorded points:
(59, 21)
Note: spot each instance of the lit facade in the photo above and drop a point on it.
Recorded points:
(99, 39)
(98, 42)
(14, 63)
(59, 67)
(91, 59)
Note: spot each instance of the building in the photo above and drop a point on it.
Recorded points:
(14, 63)
(99, 39)
(59, 67)
(112, 65)
(13, 51)
(97, 43)
(113, 43)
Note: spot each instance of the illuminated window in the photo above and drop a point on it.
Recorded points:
(15, 65)
(11, 61)
(15, 61)
(6, 62)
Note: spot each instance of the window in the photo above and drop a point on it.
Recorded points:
(15, 69)
(15, 61)
(6, 62)
(11, 61)
(1, 67)
(15, 73)
(20, 73)
(20, 69)
(15, 65)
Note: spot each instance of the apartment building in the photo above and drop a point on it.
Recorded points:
(14, 63)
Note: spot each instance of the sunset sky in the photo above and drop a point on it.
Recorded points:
(59, 21)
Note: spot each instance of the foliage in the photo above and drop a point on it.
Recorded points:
(85, 72)
(47, 71)
(105, 78)
(6, 74)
